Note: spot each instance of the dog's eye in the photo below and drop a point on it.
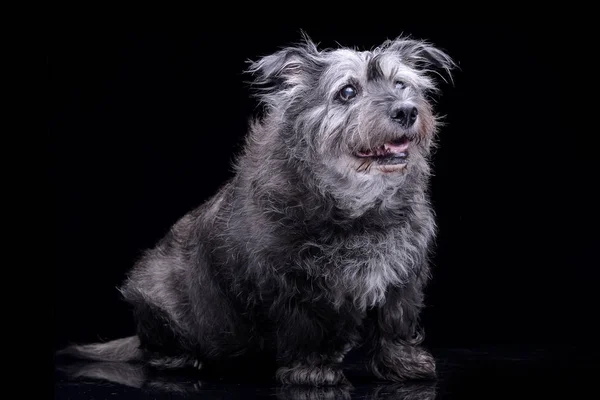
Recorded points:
(400, 85)
(348, 92)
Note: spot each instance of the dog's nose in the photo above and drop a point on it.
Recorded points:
(405, 115)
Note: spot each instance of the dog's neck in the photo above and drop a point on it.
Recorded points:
(296, 199)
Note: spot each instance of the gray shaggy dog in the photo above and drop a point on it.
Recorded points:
(319, 242)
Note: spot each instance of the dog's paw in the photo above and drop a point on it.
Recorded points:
(315, 375)
(402, 363)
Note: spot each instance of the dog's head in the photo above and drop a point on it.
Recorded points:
(360, 116)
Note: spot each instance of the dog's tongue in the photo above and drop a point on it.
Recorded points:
(395, 148)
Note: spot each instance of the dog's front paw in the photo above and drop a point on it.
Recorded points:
(315, 375)
(401, 363)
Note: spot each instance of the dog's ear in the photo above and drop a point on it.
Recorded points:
(286, 68)
(422, 56)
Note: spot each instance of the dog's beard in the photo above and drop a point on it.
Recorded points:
(358, 185)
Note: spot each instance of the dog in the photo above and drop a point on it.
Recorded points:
(321, 240)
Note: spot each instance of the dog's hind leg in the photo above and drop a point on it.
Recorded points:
(162, 345)
(175, 362)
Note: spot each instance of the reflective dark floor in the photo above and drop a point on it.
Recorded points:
(463, 374)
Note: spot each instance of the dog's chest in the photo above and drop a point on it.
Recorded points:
(361, 268)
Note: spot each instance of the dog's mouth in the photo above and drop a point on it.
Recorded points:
(390, 153)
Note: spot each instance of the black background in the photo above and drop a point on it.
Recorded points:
(145, 121)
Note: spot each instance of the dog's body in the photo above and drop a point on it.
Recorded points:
(321, 239)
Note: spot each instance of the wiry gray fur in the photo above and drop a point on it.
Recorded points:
(307, 250)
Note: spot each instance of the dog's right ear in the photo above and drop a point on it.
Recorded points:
(287, 68)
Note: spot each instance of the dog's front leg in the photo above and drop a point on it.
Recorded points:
(311, 344)
(395, 339)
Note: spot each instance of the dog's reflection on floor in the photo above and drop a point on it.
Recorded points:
(398, 391)
(137, 376)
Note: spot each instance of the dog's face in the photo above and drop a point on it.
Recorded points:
(359, 116)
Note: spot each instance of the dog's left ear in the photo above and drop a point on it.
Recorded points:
(423, 56)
